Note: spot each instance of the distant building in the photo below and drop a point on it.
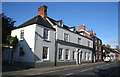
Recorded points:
(97, 43)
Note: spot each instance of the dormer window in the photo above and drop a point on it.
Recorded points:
(61, 23)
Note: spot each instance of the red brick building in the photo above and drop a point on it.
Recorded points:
(97, 43)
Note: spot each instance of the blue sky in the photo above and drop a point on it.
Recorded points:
(102, 17)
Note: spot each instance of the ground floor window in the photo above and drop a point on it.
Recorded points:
(89, 57)
(45, 52)
(67, 54)
(82, 55)
(73, 55)
(85, 55)
(60, 53)
(21, 52)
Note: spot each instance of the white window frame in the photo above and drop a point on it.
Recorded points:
(47, 54)
(48, 34)
(68, 37)
(68, 54)
(86, 56)
(61, 55)
(89, 56)
(21, 37)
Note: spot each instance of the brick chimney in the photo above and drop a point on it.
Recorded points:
(94, 34)
(91, 32)
(81, 27)
(42, 11)
(88, 31)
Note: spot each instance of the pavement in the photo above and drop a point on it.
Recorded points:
(37, 71)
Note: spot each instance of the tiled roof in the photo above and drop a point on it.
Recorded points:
(37, 20)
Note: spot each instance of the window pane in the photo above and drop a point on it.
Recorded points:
(73, 55)
(22, 34)
(79, 40)
(88, 43)
(45, 34)
(67, 53)
(60, 53)
(65, 37)
(45, 52)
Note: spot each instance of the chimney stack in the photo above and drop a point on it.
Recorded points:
(94, 34)
(91, 32)
(81, 27)
(42, 11)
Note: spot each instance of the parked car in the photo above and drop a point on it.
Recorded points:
(107, 59)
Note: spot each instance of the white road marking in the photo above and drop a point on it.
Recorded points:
(99, 66)
(107, 64)
(69, 74)
(86, 70)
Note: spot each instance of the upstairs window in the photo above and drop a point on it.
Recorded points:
(79, 40)
(66, 37)
(22, 34)
(88, 43)
(60, 23)
(45, 35)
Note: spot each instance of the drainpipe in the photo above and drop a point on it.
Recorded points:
(55, 51)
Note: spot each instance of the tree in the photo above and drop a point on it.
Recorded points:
(12, 41)
(7, 26)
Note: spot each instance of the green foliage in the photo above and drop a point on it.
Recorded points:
(7, 26)
(12, 41)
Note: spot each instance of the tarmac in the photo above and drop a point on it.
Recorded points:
(19, 70)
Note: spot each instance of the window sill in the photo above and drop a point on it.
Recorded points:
(45, 60)
(67, 60)
(46, 40)
(61, 60)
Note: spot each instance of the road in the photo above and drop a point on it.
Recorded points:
(106, 69)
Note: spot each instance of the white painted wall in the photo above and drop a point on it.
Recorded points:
(29, 34)
(40, 42)
(73, 37)
(27, 43)
(72, 48)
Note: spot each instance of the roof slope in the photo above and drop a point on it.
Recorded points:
(37, 20)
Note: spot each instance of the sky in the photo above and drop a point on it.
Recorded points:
(101, 17)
